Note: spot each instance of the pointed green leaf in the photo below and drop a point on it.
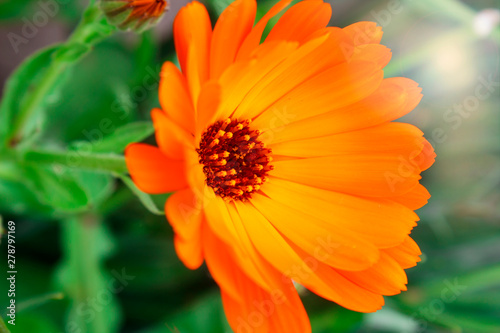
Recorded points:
(57, 187)
(17, 91)
(116, 142)
(145, 198)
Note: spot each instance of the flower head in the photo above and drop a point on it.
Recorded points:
(285, 162)
(134, 14)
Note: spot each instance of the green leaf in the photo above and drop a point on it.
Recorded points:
(17, 90)
(47, 76)
(18, 199)
(143, 197)
(205, 315)
(116, 142)
(97, 186)
(76, 117)
(68, 189)
(57, 187)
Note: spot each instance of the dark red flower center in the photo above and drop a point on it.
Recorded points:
(235, 161)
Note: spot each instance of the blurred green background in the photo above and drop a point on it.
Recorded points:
(92, 259)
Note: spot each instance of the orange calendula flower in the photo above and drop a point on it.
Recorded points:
(134, 14)
(285, 162)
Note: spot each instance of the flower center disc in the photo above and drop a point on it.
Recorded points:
(234, 161)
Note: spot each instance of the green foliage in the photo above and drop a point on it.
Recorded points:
(143, 197)
(58, 190)
(90, 289)
(123, 136)
(205, 315)
(24, 80)
(68, 112)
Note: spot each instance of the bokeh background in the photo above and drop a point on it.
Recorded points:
(106, 264)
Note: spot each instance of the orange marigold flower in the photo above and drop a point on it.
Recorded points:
(285, 162)
(134, 14)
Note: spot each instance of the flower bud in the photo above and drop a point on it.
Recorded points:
(137, 15)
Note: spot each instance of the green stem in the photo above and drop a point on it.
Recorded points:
(86, 244)
(92, 29)
(3, 328)
(74, 159)
(37, 301)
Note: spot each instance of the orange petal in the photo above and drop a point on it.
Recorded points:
(152, 171)
(332, 89)
(174, 97)
(259, 311)
(394, 98)
(377, 53)
(184, 212)
(416, 198)
(302, 267)
(195, 175)
(232, 27)
(243, 76)
(218, 217)
(371, 175)
(386, 277)
(189, 252)
(252, 40)
(397, 138)
(192, 34)
(247, 305)
(363, 33)
(406, 254)
(219, 260)
(275, 249)
(300, 67)
(172, 139)
(208, 107)
(349, 294)
(426, 157)
(301, 20)
(381, 222)
(349, 251)
(247, 257)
